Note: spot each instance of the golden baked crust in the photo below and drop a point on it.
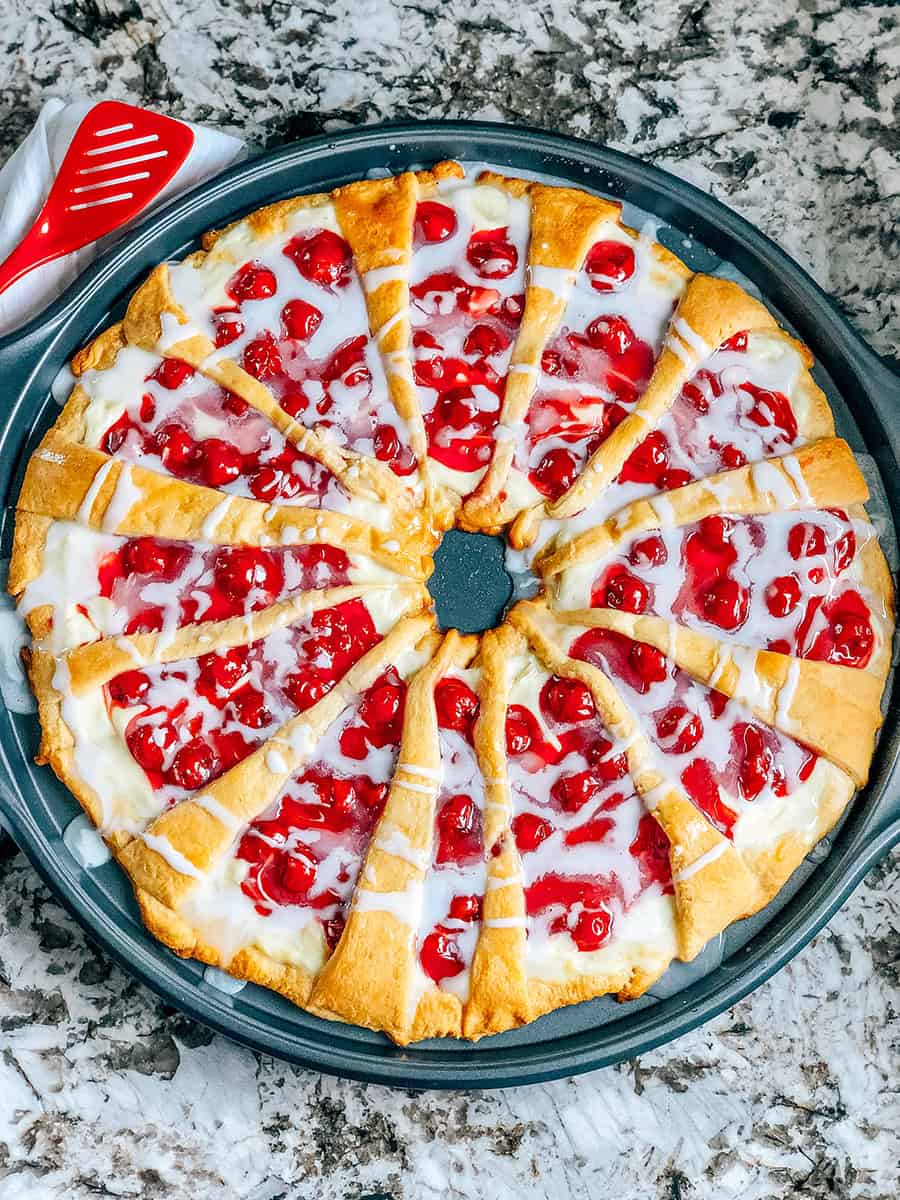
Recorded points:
(397, 956)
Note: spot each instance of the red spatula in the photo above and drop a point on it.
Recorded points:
(120, 159)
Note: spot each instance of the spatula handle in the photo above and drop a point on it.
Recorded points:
(29, 253)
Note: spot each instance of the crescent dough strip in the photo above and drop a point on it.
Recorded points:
(565, 223)
(69, 481)
(197, 834)
(833, 709)
(823, 474)
(709, 313)
(370, 977)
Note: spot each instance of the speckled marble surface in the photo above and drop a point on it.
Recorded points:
(787, 111)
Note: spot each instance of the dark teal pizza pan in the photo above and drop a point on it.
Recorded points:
(471, 589)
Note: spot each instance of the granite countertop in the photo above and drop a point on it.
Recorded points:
(788, 112)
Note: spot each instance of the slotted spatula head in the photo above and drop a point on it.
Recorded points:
(120, 159)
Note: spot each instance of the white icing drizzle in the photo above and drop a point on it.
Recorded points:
(768, 477)
(85, 844)
(275, 762)
(425, 772)
(680, 351)
(379, 276)
(176, 860)
(415, 787)
(786, 694)
(125, 496)
(84, 509)
(397, 843)
(792, 467)
(214, 519)
(704, 860)
(558, 280)
(691, 338)
(505, 923)
(403, 905)
(222, 814)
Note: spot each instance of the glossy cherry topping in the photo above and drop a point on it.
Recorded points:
(198, 717)
(776, 580)
(194, 429)
(721, 756)
(154, 583)
(308, 850)
(609, 264)
(588, 850)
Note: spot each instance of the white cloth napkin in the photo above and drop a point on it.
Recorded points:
(25, 181)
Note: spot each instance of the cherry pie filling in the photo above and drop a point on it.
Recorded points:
(723, 758)
(189, 427)
(591, 376)
(155, 584)
(589, 850)
(307, 851)
(313, 351)
(774, 579)
(196, 718)
(455, 884)
(465, 314)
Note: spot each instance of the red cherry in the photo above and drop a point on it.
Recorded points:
(300, 320)
(648, 461)
(613, 335)
(555, 473)
(492, 254)
(551, 362)
(699, 781)
(610, 768)
(567, 700)
(148, 743)
(305, 690)
(853, 640)
(731, 457)
(726, 603)
(715, 532)
(529, 831)
(172, 373)
(671, 480)
(250, 708)
(387, 443)
(484, 340)
(434, 222)
(649, 552)
(465, 908)
(572, 792)
(128, 688)
(458, 814)
(323, 258)
(806, 540)
(193, 765)
(354, 743)
(225, 669)
(610, 264)
(621, 590)
(756, 759)
(737, 342)
(148, 408)
(145, 556)
(227, 330)
(222, 462)
(440, 955)
(234, 404)
(519, 729)
(238, 570)
(844, 551)
(649, 663)
(591, 930)
(177, 448)
(298, 871)
(651, 848)
(382, 705)
(771, 410)
(456, 705)
(252, 282)
(261, 357)
(594, 829)
(783, 595)
(677, 726)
